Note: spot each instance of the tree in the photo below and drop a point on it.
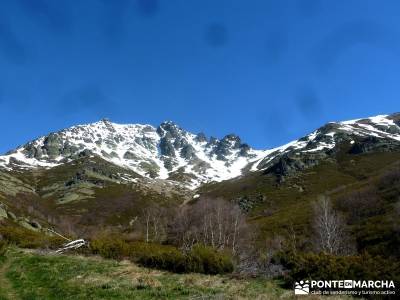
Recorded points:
(212, 222)
(329, 227)
(154, 221)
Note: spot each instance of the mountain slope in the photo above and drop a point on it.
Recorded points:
(358, 168)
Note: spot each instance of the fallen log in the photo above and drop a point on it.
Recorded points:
(72, 246)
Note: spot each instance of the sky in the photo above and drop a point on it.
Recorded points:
(269, 71)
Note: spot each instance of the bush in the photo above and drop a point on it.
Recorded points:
(200, 259)
(3, 248)
(209, 261)
(159, 257)
(26, 238)
(109, 247)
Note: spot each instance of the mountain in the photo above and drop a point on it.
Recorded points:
(104, 174)
(171, 153)
(166, 152)
(379, 133)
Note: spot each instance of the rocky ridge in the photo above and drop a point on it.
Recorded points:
(166, 152)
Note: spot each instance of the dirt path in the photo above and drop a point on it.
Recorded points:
(6, 289)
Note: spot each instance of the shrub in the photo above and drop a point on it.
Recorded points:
(159, 256)
(209, 261)
(26, 238)
(3, 248)
(109, 247)
(201, 259)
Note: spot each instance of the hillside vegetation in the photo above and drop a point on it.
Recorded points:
(29, 275)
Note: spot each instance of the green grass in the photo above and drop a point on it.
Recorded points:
(28, 275)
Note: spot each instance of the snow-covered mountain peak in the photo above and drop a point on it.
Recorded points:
(170, 152)
(165, 152)
(359, 133)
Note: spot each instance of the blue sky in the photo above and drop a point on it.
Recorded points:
(270, 71)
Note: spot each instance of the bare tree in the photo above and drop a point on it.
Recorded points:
(147, 217)
(213, 222)
(154, 222)
(182, 229)
(329, 227)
